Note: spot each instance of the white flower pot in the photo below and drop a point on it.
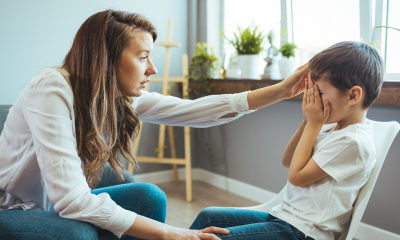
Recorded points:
(287, 66)
(249, 66)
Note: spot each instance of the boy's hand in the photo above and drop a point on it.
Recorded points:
(305, 87)
(313, 111)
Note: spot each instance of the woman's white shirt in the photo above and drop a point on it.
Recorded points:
(39, 163)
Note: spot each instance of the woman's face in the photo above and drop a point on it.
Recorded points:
(135, 67)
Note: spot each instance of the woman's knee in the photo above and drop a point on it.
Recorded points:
(206, 217)
(210, 212)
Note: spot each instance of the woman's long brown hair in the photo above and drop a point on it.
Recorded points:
(105, 121)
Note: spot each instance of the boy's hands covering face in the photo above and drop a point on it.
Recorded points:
(313, 110)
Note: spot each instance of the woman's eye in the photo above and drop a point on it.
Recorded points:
(144, 58)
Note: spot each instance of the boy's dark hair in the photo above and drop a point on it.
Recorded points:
(348, 64)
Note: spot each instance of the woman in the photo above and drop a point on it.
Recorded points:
(81, 116)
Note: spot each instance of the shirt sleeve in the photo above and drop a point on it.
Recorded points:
(202, 112)
(340, 159)
(48, 111)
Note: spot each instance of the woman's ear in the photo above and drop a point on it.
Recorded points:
(355, 95)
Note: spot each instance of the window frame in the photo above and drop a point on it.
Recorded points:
(370, 16)
(372, 13)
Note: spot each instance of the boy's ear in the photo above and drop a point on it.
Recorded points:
(355, 95)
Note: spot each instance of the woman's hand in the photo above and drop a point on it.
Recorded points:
(288, 88)
(205, 234)
(313, 111)
(294, 84)
(147, 228)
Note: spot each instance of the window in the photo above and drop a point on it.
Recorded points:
(393, 38)
(314, 25)
(319, 24)
(264, 13)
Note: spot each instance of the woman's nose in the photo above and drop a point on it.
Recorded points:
(152, 69)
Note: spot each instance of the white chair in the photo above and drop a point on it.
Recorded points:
(384, 134)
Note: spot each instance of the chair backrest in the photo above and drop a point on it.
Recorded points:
(3, 115)
(384, 134)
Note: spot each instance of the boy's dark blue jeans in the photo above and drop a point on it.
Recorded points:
(143, 198)
(247, 225)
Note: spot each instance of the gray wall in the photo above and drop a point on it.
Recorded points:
(37, 34)
(252, 147)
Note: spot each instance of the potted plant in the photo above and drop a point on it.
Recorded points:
(248, 44)
(287, 64)
(202, 67)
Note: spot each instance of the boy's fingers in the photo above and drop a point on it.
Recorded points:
(316, 94)
(311, 94)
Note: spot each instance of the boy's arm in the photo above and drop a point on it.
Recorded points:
(288, 154)
(291, 147)
(303, 169)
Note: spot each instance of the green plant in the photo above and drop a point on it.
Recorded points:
(201, 66)
(388, 27)
(247, 41)
(287, 49)
(207, 149)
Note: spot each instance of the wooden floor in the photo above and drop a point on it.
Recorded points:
(182, 214)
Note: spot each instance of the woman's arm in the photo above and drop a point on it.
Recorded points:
(202, 112)
(214, 109)
(147, 228)
(288, 88)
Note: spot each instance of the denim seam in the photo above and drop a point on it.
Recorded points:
(29, 234)
(247, 234)
(233, 224)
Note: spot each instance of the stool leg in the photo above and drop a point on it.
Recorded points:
(189, 195)
(173, 152)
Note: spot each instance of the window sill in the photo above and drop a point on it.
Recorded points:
(390, 93)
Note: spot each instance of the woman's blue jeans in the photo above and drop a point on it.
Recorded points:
(143, 198)
(247, 224)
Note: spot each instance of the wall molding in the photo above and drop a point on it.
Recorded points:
(364, 231)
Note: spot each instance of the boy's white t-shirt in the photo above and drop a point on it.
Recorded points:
(323, 209)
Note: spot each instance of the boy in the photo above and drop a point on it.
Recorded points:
(330, 157)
